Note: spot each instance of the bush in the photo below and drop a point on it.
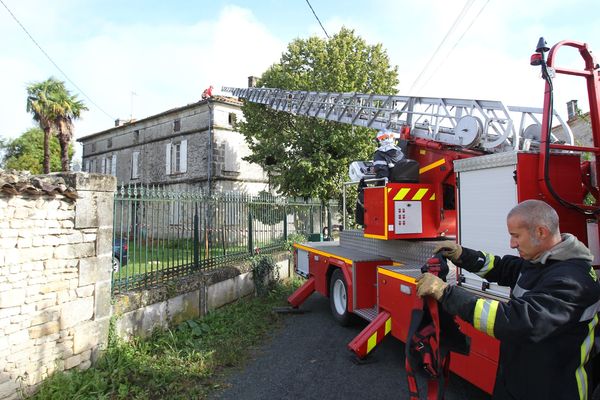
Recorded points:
(264, 273)
(294, 238)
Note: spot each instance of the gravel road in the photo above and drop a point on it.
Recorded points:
(308, 359)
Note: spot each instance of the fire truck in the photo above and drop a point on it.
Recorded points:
(477, 159)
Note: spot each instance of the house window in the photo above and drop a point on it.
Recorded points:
(176, 125)
(113, 165)
(86, 166)
(109, 165)
(109, 143)
(232, 119)
(93, 147)
(136, 136)
(135, 158)
(93, 166)
(176, 157)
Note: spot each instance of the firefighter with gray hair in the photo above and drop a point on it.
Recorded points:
(546, 328)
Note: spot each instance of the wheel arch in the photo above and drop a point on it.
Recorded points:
(347, 276)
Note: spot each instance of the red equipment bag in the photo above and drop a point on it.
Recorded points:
(432, 334)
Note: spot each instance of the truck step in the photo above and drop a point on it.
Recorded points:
(367, 313)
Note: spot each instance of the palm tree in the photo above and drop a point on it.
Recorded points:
(69, 109)
(55, 109)
(40, 104)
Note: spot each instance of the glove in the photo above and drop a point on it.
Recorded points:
(430, 285)
(449, 249)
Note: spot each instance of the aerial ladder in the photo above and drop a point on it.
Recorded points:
(485, 125)
(477, 159)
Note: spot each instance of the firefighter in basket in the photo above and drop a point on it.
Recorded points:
(387, 155)
(546, 329)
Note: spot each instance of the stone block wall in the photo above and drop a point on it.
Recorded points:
(55, 260)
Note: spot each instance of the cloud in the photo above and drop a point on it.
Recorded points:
(166, 65)
(169, 61)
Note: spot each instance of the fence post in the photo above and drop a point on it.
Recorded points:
(285, 227)
(329, 220)
(250, 234)
(196, 238)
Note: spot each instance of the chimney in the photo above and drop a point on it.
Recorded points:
(118, 122)
(252, 81)
(572, 109)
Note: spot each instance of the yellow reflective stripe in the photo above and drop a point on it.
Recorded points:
(388, 326)
(491, 320)
(432, 197)
(420, 193)
(432, 165)
(372, 342)
(484, 317)
(586, 348)
(401, 194)
(477, 314)
(488, 264)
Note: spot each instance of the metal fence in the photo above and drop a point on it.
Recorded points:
(160, 235)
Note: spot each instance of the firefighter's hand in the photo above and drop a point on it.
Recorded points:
(430, 285)
(449, 249)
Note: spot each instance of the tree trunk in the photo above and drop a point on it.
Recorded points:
(46, 150)
(64, 152)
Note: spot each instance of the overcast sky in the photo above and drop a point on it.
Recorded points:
(139, 58)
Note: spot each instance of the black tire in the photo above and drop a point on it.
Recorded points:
(338, 298)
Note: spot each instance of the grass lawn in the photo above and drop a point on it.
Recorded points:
(144, 259)
(185, 362)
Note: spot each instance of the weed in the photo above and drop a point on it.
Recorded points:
(180, 363)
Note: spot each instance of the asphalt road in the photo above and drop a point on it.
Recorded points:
(308, 359)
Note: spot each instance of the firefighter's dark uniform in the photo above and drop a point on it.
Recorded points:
(384, 159)
(546, 329)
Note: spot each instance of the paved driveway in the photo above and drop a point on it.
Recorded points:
(308, 359)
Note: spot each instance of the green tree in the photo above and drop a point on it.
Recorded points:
(55, 109)
(308, 157)
(26, 152)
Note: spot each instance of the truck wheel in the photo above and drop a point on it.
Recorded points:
(338, 298)
(115, 264)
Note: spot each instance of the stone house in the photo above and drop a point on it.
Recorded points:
(579, 124)
(191, 147)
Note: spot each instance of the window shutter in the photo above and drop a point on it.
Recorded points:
(113, 165)
(183, 157)
(103, 165)
(134, 164)
(168, 159)
(86, 166)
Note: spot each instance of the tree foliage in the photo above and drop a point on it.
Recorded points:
(308, 157)
(55, 109)
(26, 152)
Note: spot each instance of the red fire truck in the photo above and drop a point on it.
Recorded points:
(477, 159)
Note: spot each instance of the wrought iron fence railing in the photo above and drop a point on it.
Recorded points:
(161, 234)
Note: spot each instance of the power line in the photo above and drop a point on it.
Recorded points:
(315, 14)
(460, 16)
(53, 63)
(455, 45)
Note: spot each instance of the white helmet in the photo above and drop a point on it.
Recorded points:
(385, 136)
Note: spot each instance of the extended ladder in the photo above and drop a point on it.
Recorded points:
(483, 124)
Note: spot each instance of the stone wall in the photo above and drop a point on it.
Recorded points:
(55, 258)
(139, 313)
(55, 280)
